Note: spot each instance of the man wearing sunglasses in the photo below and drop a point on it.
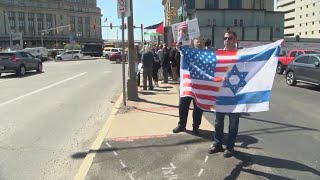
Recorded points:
(230, 40)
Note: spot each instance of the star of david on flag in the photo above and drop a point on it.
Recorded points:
(229, 81)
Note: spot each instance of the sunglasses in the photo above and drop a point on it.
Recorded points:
(229, 38)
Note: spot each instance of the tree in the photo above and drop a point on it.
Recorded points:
(76, 47)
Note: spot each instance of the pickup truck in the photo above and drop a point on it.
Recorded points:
(284, 60)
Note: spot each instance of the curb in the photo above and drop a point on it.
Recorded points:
(87, 162)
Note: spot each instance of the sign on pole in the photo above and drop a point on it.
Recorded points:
(123, 7)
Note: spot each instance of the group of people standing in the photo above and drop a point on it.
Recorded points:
(158, 63)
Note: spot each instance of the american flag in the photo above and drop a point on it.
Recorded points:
(203, 72)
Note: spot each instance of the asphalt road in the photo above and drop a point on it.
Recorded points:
(46, 117)
(287, 138)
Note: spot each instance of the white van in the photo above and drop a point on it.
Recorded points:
(75, 54)
(38, 52)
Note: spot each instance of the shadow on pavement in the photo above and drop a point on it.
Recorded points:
(283, 128)
(157, 103)
(262, 160)
(244, 140)
(309, 87)
(81, 155)
(11, 76)
(155, 112)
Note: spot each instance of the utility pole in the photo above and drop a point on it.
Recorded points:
(132, 86)
(123, 63)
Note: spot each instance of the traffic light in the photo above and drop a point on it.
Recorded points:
(110, 25)
(94, 25)
(141, 26)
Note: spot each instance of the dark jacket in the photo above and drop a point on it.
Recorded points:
(166, 59)
(147, 60)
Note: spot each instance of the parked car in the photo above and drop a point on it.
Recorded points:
(284, 59)
(117, 57)
(304, 68)
(108, 52)
(38, 52)
(75, 54)
(19, 62)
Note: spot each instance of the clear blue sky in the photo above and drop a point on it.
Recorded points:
(146, 12)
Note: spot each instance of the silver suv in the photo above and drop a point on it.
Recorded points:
(19, 62)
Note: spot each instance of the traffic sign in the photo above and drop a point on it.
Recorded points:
(123, 7)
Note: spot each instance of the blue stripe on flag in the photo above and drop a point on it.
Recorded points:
(245, 98)
(262, 56)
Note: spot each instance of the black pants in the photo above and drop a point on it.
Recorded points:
(147, 75)
(184, 104)
(165, 73)
(138, 79)
(155, 74)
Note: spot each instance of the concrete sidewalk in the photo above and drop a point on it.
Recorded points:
(138, 143)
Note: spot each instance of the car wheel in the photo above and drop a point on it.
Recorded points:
(59, 58)
(290, 79)
(76, 57)
(107, 57)
(280, 69)
(22, 70)
(118, 60)
(39, 68)
(0, 74)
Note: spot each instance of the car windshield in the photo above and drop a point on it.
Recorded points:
(312, 52)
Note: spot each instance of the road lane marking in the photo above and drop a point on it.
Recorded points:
(115, 153)
(108, 144)
(200, 173)
(123, 165)
(41, 89)
(6, 80)
(206, 159)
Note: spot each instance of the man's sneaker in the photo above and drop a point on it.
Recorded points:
(178, 129)
(228, 152)
(214, 149)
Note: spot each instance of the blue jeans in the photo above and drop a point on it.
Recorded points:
(184, 104)
(233, 129)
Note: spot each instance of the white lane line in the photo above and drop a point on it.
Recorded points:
(41, 89)
(108, 144)
(206, 159)
(200, 173)
(131, 177)
(6, 80)
(115, 153)
(123, 165)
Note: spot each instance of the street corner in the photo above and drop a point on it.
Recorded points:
(175, 156)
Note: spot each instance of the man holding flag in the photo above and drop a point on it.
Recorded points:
(229, 82)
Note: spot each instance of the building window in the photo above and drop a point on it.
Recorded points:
(31, 22)
(235, 4)
(312, 23)
(211, 4)
(306, 24)
(300, 33)
(80, 25)
(12, 21)
(300, 16)
(306, 15)
(87, 26)
(61, 17)
(319, 31)
(300, 25)
(235, 22)
(49, 22)
(306, 33)
(73, 22)
(241, 22)
(312, 32)
(307, 6)
(313, 14)
(40, 21)
(21, 23)
(300, 8)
